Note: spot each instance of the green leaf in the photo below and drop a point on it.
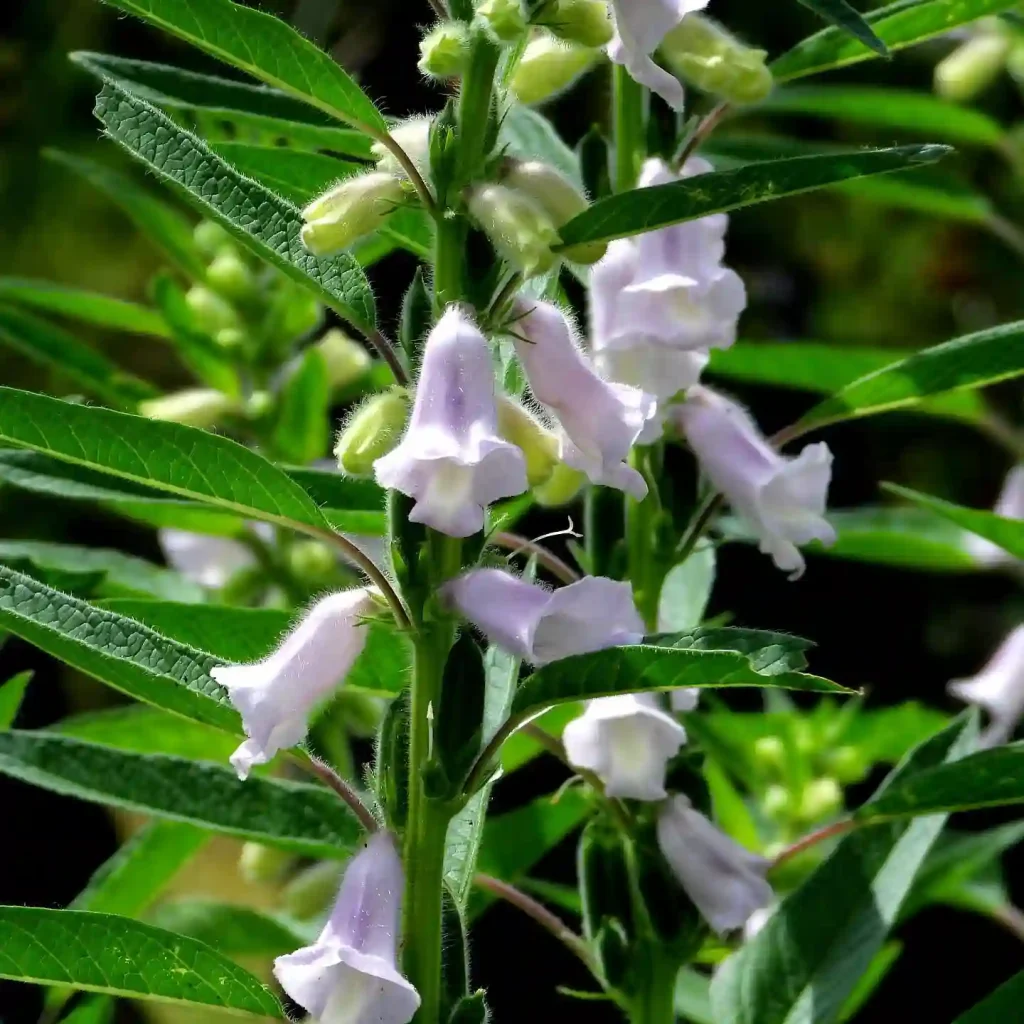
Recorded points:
(529, 135)
(181, 460)
(95, 1010)
(900, 109)
(232, 930)
(849, 20)
(972, 361)
(118, 651)
(631, 213)
(807, 366)
(877, 971)
(520, 748)
(302, 427)
(899, 25)
(108, 954)
(804, 963)
(259, 219)
(687, 590)
(693, 996)
(999, 1006)
(251, 112)
(54, 347)
(89, 307)
(266, 48)
(1001, 531)
(297, 175)
(355, 506)
(122, 575)
(291, 815)
(161, 224)
(12, 693)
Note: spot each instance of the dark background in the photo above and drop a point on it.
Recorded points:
(818, 267)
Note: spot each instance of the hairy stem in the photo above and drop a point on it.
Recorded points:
(629, 123)
(326, 774)
(837, 828)
(548, 559)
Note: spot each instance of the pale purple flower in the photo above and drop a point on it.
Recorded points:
(640, 26)
(998, 688)
(600, 421)
(1010, 505)
(782, 499)
(726, 881)
(684, 698)
(276, 696)
(627, 740)
(452, 459)
(350, 974)
(541, 625)
(209, 561)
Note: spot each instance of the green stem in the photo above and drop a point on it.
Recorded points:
(646, 570)
(475, 98)
(654, 1002)
(629, 128)
(449, 247)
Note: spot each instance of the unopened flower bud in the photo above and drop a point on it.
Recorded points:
(704, 54)
(311, 891)
(311, 561)
(259, 863)
(556, 196)
(211, 312)
(230, 276)
(349, 211)
(776, 802)
(444, 50)
(538, 444)
(847, 764)
(195, 407)
(821, 798)
(210, 238)
(518, 228)
(587, 22)
(548, 66)
(770, 754)
(561, 487)
(231, 339)
(413, 137)
(346, 359)
(505, 18)
(374, 429)
(972, 67)
(259, 404)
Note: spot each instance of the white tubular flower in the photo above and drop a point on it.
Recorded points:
(209, 561)
(276, 696)
(541, 625)
(725, 881)
(600, 420)
(627, 741)
(685, 698)
(412, 136)
(350, 974)
(998, 688)
(452, 459)
(640, 26)
(1010, 506)
(782, 499)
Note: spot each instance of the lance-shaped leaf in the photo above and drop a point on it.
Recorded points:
(117, 956)
(899, 25)
(807, 959)
(630, 213)
(264, 222)
(266, 48)
(12, 693)
(849, 20)
(294, 816)
(233, 929)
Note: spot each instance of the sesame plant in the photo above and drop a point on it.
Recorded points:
(546, 363)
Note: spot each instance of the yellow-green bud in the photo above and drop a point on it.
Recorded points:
(229, 275)
(704, 54)
(295, 313)
(346, 359)
(561, 487)
(820, 799)
(518, 228)
(847, 764)
(444, 50)
(776, 802)
(770, 754)
(312, 890)
(549, 66)
(259, 405)
(557, 197)
(587, 22)
(354, 208)
(412, 136)
(311, 561)
(972, 67)
(372, 431)
(259, 863)
(211, 312)
(505, 18)
(210, 238)
(195, 407)
(231, 339)
(538, 444)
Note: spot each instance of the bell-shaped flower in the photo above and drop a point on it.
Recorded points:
(1010, 505)
(640, 26)
(277, 695)
(600, 420)
(726, 881)
(350, 974)
(209, 561)
(998, 688)
(452, 459)
(782, 499)
(541, 625)
(627, 740)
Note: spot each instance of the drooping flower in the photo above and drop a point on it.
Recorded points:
(350, 974)
(725, 880)
(1010, 505)
(541, 625)
(452, 459)
(640, 26)
(627, 740)
(782, 499)
(276, 696)
(998, 688)
(600, 420)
